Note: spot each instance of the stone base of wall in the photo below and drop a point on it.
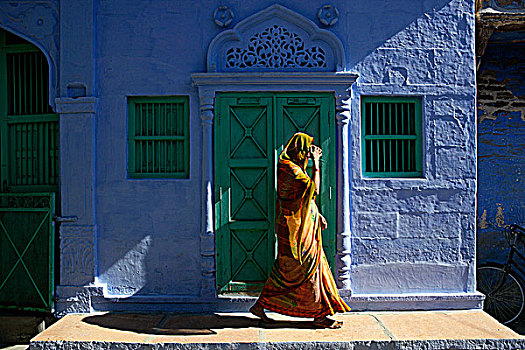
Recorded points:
(92, 299)
(425, 301)
(75, 299)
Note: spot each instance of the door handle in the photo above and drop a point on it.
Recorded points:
(61, 219)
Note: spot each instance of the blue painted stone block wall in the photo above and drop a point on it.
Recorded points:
(418, 235)
(501, 140)
(422, 236)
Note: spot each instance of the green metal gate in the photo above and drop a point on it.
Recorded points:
(27, 247)
(28, 176)
(250, 132)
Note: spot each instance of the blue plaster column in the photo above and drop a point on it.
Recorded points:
(344, 239)
(207, 236)
(77, 106)
(77, 180)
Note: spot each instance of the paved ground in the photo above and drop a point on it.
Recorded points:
(244, 328)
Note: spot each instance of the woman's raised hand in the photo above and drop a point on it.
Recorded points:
(315, 152)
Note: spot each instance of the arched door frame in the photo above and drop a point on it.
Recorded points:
(51, 54)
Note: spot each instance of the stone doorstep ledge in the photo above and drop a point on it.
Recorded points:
(242, 331)
(350, 345)
(231, 303)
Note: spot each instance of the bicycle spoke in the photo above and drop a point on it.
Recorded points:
(504, 293)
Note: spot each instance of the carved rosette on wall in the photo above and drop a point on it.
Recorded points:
(276, 47)
(37, 22)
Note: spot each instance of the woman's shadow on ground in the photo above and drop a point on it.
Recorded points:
(176, 324)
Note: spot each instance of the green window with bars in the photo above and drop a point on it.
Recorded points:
(158, 137)
(391, 136)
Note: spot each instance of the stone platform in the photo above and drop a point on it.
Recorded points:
(361, 330)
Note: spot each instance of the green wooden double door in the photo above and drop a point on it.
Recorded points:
(28, 177)
(251, 130)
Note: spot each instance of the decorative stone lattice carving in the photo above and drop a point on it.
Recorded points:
(276, 47)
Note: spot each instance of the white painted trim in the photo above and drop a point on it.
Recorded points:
(317, 81)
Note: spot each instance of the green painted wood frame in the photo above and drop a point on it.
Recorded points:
(415, 136)
(260, 123)
(132, 138)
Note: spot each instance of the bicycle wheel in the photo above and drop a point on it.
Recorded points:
(504, 294)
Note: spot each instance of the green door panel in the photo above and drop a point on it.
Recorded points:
(244, 178)
(314, 116)
(250, 131)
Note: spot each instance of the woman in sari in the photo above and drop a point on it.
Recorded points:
(300, 283)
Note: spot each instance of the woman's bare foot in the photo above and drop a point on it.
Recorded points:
(326, 322)
(258, 311)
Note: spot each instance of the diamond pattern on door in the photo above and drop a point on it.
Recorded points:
(249, 255)
(301, 119)
(249, 194)
(248, 130)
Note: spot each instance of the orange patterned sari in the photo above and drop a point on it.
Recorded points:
(300, 283)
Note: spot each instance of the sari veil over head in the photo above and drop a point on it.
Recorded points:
(300, 283)
(297, 149)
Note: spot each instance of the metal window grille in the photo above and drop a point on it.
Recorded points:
(30, 128)
(391, 137)
(159, 137)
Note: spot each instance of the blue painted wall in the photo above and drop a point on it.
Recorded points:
(424, 48)
(501, 138)
(408, 235)
(422, 239)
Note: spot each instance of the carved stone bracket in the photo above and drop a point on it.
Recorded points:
(37, 22)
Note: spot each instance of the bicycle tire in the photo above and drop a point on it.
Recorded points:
(506, 303)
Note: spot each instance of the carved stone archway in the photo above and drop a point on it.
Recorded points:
(275, 49)
(38, 23)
